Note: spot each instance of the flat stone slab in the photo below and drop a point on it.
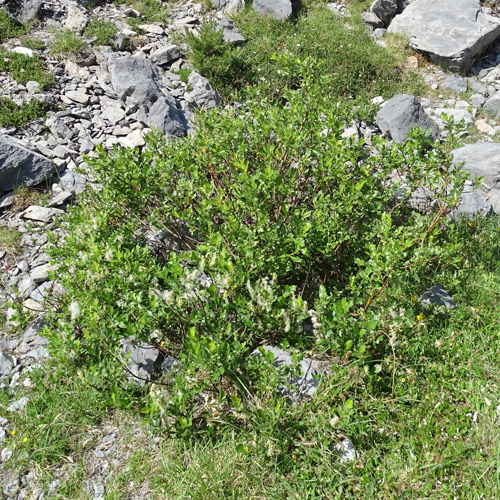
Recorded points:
(452, 33)
(280, 9)
(41, 214)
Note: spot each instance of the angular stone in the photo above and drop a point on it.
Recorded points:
(477, 100)
(76, 18)
(202, 94)
(58, 125)
(142, 359)
(402, 113)
(384, 10)
(165, 54)
(113, 114)
(72, 182)
(32, 87)
(24, 11)
(40, 274)
(346, 451)
(492, 105)
(437, 296)
(371, 19)
(229, 6)
(154, 29)
(78, 96)
(19, 166)
(453, 33)
(280, 9)
(473, 202)
(132, 140)
(457, 114)
(298, 386)
(7, 363)
(230, 32)
(455, 83)
(481, 159)
(41, 214)
(137, 83)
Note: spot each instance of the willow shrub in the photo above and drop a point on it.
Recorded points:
(294, 238)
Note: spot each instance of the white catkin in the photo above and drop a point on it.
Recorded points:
(75, 310)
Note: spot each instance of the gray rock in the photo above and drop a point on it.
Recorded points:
(165, 54)
(72, 182)
(18, 405)
(230, 32)
(298, 386)
(19, 166)
(481, 159)
(346, 451)
(455, 83)
(31, 340)
(24, 11)
(32, 87)
(143, 360)
(58, 125)
(132, 140)
(165, 116)
(22, 50)
(478, 87)
(457, 114)
(229, 6)
(137, 83)
(402, 4)
(437, 296)
(202, 94)
(169, 364)
(371, 19)
(7, 364)
(453, 33)
(41, 214)
(5, 456)
(384, 10)
(473, 202)
(477, 100)
(78, 96)
(492, 105)
(76, 18)
(40, 274)
(113, 114)
(280, 9)
(402, 113)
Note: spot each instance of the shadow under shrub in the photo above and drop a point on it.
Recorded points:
(294, 237)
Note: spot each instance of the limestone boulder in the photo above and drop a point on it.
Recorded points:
(452, 33)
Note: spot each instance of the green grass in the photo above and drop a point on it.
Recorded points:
(24, 68)
(32, 43)
(66, 44)
(101, 30)
(10, 240)
(10, 28)
(348, 63)
(14, 115)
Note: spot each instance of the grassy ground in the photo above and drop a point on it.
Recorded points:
(423, 420)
